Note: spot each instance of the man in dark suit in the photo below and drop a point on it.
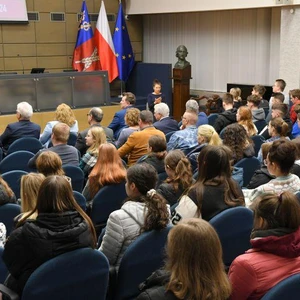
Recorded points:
(23, 128)
(95, 116)
(164, 123)
(118, 122)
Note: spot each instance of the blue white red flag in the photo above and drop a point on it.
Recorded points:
(85, 56)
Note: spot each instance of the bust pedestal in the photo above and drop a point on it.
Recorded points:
(181, 92)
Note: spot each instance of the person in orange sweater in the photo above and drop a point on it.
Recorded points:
(137, 143)
(295, 94)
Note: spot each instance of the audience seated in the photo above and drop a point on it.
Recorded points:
(157, 153)
(60, 226)
(214, 190)
(236, 138)
(163, 122)
(244, 118)
(94, 117)
(259, 90)
(24, 127)
(144, 210)
(132, 117)
(63, 114)
(186, 138)
(68, 154)
(30, 185)
(277, 98)
(253, 103)
(6, 193)
(137, 143)
(295, 98)
(118, 122)
(108, 170)
(236, 94)
(279, 161)
(194, 268)
(180, 176)
(275, 253)
(193, 106)
(94, 138)
(228, 116)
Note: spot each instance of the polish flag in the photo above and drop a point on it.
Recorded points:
(105, 46)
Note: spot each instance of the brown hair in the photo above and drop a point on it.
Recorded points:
(156, 81)
(6, 187)
(282, 107)
(195, 265)
(130, 98)
(132, 117)
(259, 89)
(283, 153)
(49, 163)
(159, 146)
(99, 138)
(281, 127)
(281, 83)
(227, 98)
(295, 93)
(178, 162)
(296, 142)
(108, 169)
(265, 148)
(215, 170)
(144, 176)
(281, 211)
(254, 99)
(61, 132)
(246, 120)
(64, 114)
(236, 93)
(55, 195)
(279, 96)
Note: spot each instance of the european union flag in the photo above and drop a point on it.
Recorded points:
(123, 49)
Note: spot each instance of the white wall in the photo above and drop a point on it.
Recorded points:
(239, 46)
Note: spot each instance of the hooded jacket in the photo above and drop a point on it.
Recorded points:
(258, 114)
(225, 118)
(272, 259)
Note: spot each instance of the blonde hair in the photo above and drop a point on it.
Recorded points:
(210, 135)
(99, 138)
(64, 114)
(236, 93)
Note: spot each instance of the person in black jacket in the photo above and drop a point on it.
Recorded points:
(61, 226)
(194, 267)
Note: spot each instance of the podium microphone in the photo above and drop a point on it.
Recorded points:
(21, 59)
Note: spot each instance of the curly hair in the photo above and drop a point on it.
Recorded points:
(132, 117)
(236, 138)
(144, 176)
(64, 114)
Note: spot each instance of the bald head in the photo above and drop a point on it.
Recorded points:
(189, 118)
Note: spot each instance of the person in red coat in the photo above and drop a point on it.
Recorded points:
(275, 253)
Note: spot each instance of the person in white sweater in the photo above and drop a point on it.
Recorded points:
(144, 210)
(279, 161)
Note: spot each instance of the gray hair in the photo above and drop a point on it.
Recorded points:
(146, 116)
(25, 110)
(97, 114)
(192, 105)
(162, 108)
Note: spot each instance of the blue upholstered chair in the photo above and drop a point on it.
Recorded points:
(79, 274)
(234, 227)
(30, 144)
(3, 269)
(249, 165)
(288, 288)
(80, 199)
(212, 118)
(7, 214)
(260, 125)
(145, 255)
(13, 179)
(258, 140)
(168, 135)
(76, 175)
(16, 161)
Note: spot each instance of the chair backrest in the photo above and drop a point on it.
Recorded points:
(3, 269)
(288, 288)
(258, 140)
(221, 134)
(72, 139)
(16, 161)
(7, 214)
(162, 177)
(168, 135)
(76, 175)
(80, 199)
(250, 165)
(234, 227)
(107, 200)
(26, 143)
(260, 125)
(13, 179)
(145, 255)
(79, 274)
(212, 118)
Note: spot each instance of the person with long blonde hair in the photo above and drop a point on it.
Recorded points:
(94, 138)
(108, 169)
(63, 114)
(244, 118)
(194, 268)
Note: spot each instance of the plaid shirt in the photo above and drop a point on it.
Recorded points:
(87, 163)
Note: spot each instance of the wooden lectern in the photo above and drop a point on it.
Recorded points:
(181, 92)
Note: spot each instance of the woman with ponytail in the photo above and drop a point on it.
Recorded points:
(275, 253)
(144, 210)
(214, 190)
(180, 176)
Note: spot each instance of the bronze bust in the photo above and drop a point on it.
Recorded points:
(181, 54)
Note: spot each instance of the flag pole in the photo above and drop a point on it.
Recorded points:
(121, 95)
